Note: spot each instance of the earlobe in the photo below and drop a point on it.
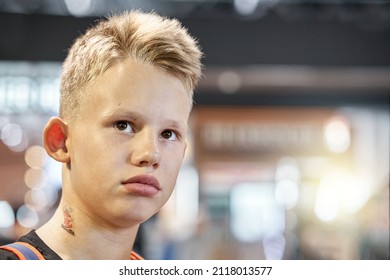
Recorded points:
(54, 139)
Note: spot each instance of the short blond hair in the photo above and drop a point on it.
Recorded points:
(145, 37)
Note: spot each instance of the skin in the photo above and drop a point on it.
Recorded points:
(133, 122)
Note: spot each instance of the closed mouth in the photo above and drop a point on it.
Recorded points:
(143, 179)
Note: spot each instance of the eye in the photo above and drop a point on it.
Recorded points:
(123, 126)
(169, 135)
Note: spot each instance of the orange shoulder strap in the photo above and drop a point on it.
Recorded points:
(135, 256)
(23, 251)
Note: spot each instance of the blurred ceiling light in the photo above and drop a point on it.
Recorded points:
(27, 217)
(7, 216)
(53, 172)
(256, 8)
(288, 168)
(37, 199)
(313, 166)
(179, 216)
(11, 134)
(36, 156)
(340, 193)
(337, 135)
(79, 8)
(287, 193)
(246, 7)
(3, 121)
(326, 205)
(14, 137)
(187, 195)
(229, 82)
(254, 213)
(274, 245)
(247, 206)
(35, 178)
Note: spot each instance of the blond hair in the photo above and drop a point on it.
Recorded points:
(145, 37)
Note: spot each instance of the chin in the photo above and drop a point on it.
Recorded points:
(137, 216)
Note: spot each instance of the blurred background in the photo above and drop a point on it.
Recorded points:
(289, 149)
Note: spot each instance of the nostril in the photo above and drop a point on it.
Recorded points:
(145, 148)
(147, 158)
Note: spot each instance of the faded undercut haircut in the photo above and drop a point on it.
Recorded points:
(145, 37)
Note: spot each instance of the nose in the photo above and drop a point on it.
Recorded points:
(145, 149)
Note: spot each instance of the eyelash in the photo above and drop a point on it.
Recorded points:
(128, 124)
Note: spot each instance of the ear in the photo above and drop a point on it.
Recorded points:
(55, 134)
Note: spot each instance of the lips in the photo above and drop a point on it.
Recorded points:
(144, 185)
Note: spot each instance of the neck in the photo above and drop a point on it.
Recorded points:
(85, 239)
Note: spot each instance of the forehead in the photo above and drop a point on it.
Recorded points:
(139, 87)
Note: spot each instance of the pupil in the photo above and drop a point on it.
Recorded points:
(167, 134)
(121, 125)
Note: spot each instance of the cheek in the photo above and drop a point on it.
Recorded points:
(173, 157)
(90, 155)
(172, 168)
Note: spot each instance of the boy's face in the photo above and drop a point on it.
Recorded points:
(133, 123)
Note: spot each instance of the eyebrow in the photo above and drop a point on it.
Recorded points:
(177, 125)
(122, 114)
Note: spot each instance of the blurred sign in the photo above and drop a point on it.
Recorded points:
(29, 87)
(261, 130)
(257, 136)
